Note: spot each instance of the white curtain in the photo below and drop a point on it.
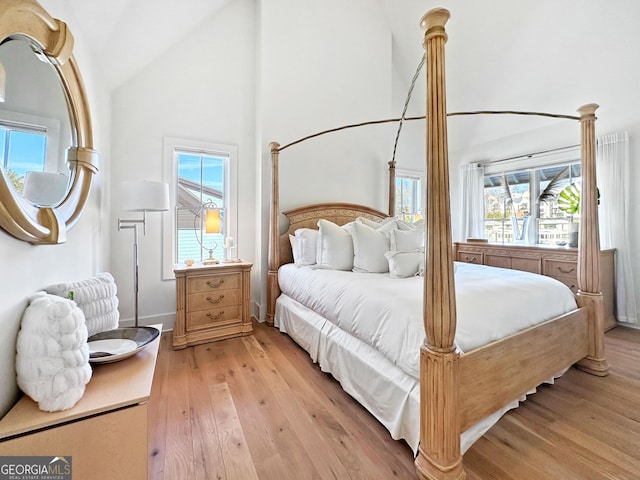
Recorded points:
(612, 164)
(472, 201)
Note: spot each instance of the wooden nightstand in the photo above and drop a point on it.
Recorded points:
(212, 303)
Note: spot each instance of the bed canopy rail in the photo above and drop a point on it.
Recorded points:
(444, 412)
(275, 257)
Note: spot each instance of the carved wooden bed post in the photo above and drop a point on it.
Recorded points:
(589, 293)
(273, 289)
(439, 454)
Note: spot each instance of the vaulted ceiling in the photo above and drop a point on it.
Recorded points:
(542, 55)
(125, 35)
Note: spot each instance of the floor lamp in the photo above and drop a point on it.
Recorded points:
(141, 196)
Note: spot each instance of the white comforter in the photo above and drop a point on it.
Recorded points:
(386, 313)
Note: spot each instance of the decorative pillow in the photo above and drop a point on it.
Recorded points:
(306, 242)
(96, 297)
(294, 247)
(405, 264)
(334, 246)
(52, 359)
(369, 247)
(375, 223)
(407, 240)
(402, 225)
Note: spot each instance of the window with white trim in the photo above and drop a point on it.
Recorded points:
(515, 211)
(23, 148)
(201, 176)
(409, 192)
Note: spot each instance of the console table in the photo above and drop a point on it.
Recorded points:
(560, 263)
(105, 433)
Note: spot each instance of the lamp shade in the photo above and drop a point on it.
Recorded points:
(212, 221)
(45, 188)
(144, 195)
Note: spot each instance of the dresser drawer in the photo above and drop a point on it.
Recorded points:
(560, 268)
(572, 283)
(213, 283)
(215, 317)
(469, 257)
(497, 261)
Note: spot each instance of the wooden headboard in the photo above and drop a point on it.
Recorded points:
(308, 216)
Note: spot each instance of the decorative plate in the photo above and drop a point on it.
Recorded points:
(118, 344)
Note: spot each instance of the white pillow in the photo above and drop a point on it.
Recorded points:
(375, 223)
(407, 240)
(334, 246)
(369, 247)
(294, 247)
(368, 222)
(97, 298)
(306, 246)
(52, 354)
(405, 264)
(402, 225)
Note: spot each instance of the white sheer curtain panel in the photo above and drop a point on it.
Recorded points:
(613, 165)
(472, 201)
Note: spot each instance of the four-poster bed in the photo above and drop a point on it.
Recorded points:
(458, 390)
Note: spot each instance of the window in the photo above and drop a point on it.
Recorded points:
(200, 182)
(517, 214)
(409, 196)
(22, 149)
(201, 176)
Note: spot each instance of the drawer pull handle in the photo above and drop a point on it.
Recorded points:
(467, 258)
(217, 316)
(215, 300)
(567, 270)
(216, 284)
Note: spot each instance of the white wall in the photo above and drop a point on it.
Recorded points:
(201, 89)
(28, 268)
(319, 72)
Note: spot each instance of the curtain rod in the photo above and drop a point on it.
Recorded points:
(529, 155)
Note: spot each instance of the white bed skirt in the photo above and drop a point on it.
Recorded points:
(392, 396)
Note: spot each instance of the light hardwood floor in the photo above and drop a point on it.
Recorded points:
(257, 408)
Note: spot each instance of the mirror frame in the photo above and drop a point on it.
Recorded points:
(19, 217)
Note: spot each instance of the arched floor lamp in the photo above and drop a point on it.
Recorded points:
(141, 196)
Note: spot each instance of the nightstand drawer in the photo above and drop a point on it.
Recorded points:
(218, 299)
(560, 268)
(210, 283)
(215, 317)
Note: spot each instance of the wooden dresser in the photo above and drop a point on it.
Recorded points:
(212, 303)
(105, 433)
(560, 263)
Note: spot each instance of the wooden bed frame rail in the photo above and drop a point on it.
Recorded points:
(457, 390)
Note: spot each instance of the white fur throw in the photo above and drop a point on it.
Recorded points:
(52, 360)
(96, 297)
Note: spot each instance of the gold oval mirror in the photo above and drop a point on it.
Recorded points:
(59, 186)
